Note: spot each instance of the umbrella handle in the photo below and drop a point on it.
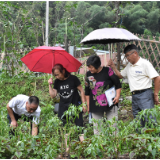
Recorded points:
(111, 51)
(52, 66)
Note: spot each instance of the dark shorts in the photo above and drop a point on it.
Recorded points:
(16, 116)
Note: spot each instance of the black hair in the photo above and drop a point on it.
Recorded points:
(94, 60)
(33, 99)
(61, 68)
(129, 48)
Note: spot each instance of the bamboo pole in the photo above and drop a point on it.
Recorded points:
(105, 57)
(111, 51)
(47, 21)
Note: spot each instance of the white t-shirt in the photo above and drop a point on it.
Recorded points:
(18, 105)
(139, 75)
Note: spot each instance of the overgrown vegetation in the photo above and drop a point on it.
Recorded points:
(22, 25)
(123, 143)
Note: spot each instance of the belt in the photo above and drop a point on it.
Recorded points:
(139, 91)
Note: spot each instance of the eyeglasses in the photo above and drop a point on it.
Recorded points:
(129, 55)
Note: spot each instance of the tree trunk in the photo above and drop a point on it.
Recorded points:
(118, 56)
(117, 3)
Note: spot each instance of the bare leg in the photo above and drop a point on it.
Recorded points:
(81, 137)
(66, 137)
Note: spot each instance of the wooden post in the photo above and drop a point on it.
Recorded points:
(74, 53)
(66, 42)
(2, 58)
(118, 56)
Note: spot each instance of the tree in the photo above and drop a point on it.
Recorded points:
(152, 21)
(135, 18)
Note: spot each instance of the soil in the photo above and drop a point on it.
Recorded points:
(127, 117)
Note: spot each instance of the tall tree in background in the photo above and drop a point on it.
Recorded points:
(117, 17)
(23, 22)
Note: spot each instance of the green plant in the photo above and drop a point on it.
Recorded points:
(49, 143)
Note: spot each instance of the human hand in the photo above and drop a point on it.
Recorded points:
(14, 124)
(88, 110)
(84, 109)
(111, 64)
(116, 100)
(156, 99)
(50, 81)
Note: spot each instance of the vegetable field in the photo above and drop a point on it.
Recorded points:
(123, 143)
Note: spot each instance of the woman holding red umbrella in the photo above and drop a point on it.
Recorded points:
(67, 86)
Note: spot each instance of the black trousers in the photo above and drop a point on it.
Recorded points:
(78, 121)
(16, 116)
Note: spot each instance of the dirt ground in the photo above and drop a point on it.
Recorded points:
(128, 116)
(124, 117)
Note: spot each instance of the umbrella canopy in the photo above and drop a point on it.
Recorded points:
(109, 35)
(43, 58)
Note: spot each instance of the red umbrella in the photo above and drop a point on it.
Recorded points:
(43, 58)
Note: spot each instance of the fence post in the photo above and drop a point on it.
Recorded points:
(66, 42)
(118, 56)
(2, 58)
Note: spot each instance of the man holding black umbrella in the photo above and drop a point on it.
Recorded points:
(139, 73)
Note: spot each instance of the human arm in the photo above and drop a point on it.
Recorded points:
(87, 100)
(112, 65)
(13, 120)
(80, 88)
(118, 93)
(52, 91)
(156, 89)
(152, 74)
(87, 92)
(34, 129)
(115, 80)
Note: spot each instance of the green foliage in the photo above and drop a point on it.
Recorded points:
(124, 93)
(135, 19)
(153, 20)
(148, 33)
(110, 143)
(22, 25)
